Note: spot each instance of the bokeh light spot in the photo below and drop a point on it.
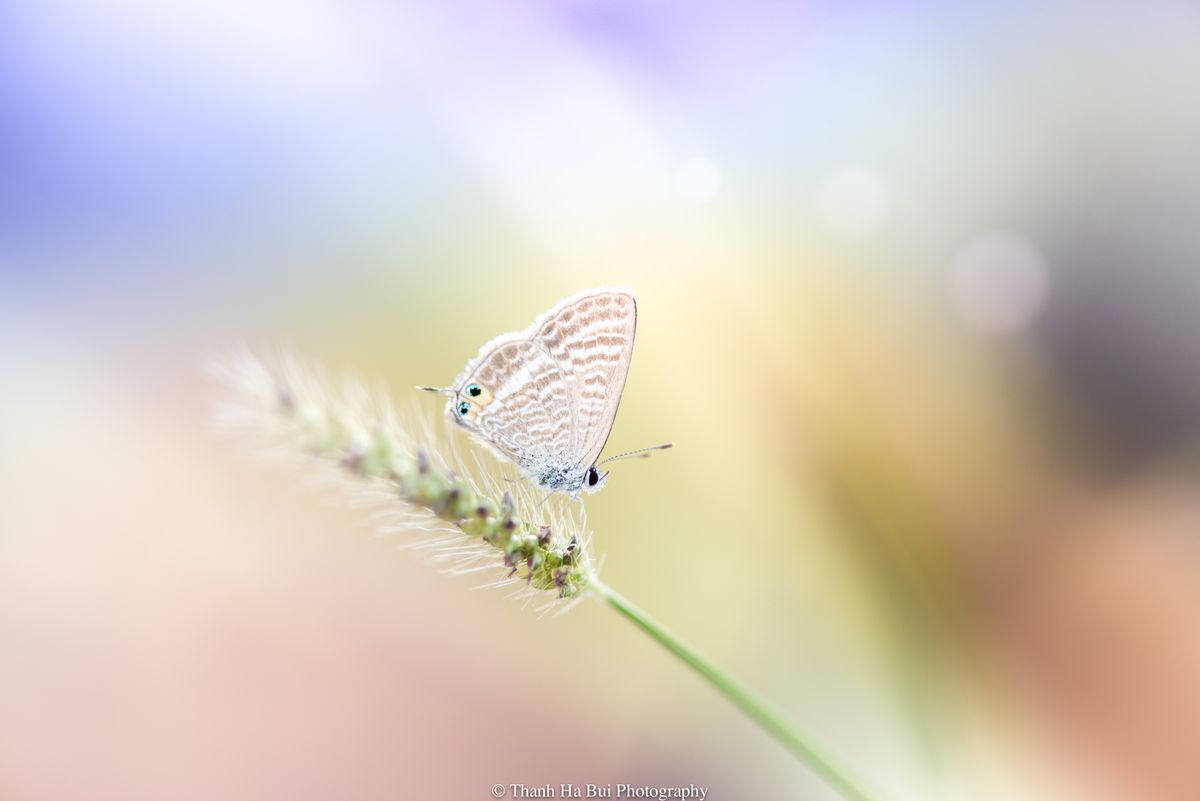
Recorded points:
(999, 283)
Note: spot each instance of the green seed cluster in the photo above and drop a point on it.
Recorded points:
(531, 551)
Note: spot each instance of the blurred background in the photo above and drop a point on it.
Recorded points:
(919, 306)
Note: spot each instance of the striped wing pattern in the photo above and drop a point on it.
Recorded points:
(528, 418)
(550, 393)
(592, 340)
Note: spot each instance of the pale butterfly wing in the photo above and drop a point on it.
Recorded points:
(546, 397)
(524, 407)
(591, 338)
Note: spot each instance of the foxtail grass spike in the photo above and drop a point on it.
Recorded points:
(286, 405)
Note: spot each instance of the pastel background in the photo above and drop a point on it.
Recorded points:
(920, 307)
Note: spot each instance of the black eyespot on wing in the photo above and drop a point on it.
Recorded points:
(474, 390)
(463, 408)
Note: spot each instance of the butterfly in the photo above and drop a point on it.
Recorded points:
(546, 398)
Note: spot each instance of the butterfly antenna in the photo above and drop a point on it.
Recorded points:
(641, 453)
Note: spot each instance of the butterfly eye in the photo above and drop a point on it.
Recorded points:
(593, 477)
(463, 408)
(474, 390)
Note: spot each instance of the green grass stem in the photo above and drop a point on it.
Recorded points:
(770, 719)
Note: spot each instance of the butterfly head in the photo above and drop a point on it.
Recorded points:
(593, 479)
